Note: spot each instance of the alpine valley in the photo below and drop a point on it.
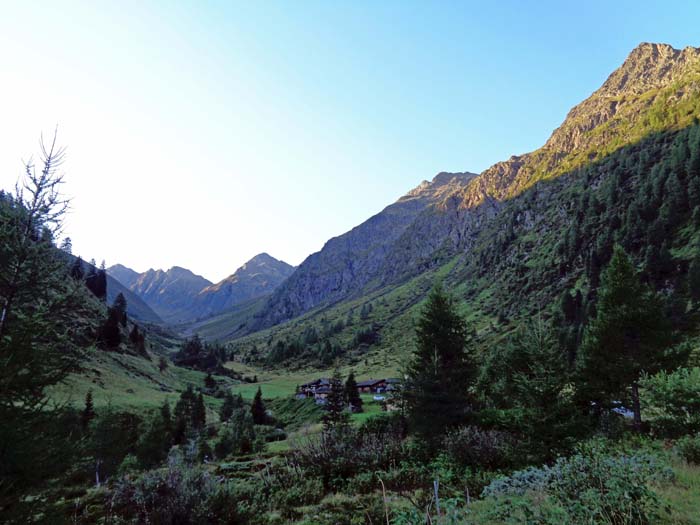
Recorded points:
(520, 345)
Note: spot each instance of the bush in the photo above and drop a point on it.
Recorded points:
(341, 453)
(589, 487)
(471, 446)
(129, 465)
(289, 487)
(400, 478)
(238, 436)
(672, 402)
(184, 493)
(689, 448)
(340, 509)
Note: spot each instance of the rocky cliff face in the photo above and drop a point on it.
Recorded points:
(136, 307)
(349, 263)
(170, 293)
(657, 88)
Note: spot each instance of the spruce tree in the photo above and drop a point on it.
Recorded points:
(88, 413)
(441, 369)
(188, 415)
(227, 407)
(199, 412)
(336, 414)
(76, 270)
(627, 337)
(352, 395)
(119, 307)
(155, 442)
(694, 280)
(167, 419)
(530, 373)
(258, 410)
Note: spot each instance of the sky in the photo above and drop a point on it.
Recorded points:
(200, 134)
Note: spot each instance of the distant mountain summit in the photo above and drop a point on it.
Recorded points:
(259, 276)
(168, 292)
(178, 295)
(126, 276)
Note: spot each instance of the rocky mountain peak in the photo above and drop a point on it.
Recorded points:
(649, 66)
(263, 263)
(631, 90)
(439, 183)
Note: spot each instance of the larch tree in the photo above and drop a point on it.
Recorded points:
(38, 302)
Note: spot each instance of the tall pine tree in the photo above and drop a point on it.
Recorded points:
(627, 337)
(335, 415)
(352, 395)
(441, 369)
(258, 410)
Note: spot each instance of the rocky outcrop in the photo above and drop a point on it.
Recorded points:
(125, 275)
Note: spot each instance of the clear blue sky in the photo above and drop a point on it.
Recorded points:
(202, 133)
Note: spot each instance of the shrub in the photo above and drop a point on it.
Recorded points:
(471, 446)
(589, 487)
(340, 453)
(689, 448)
(340, 509)
(129, 465)
(672, 402)
(183, 493)
(238, 436)
(289, 486)
(399, 478)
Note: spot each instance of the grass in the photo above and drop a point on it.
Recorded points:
(278, 383)
(683, 496)
(130, 383)
(370, 409)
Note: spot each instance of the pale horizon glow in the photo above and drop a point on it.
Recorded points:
(202, 134)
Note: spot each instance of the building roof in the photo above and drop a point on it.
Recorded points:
(370, 382)
(317, 382)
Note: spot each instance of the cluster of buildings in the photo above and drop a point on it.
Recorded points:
(320, 388)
